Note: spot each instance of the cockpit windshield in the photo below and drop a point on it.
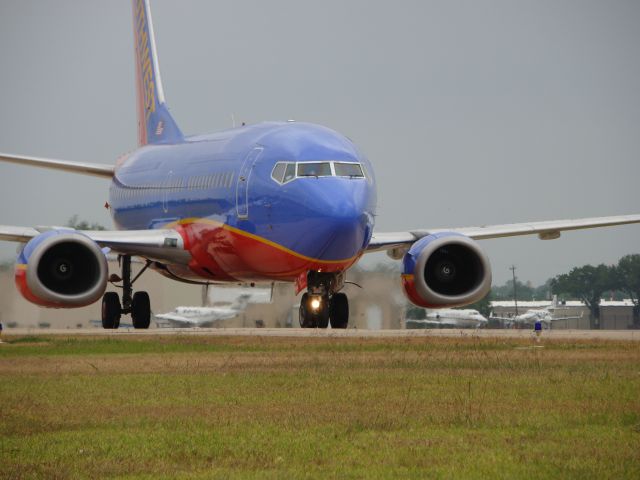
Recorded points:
(284, 172)
(319, 169)
(353, 170)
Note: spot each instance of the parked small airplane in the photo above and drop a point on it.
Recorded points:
(276, 201)
(546, 316)
(449, 318)
(186, 317)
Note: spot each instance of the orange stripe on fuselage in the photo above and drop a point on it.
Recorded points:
(229, 253)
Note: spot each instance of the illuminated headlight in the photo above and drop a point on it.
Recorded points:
(315, 303)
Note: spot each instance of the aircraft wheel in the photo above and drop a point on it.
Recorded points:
(322, 316)
(305, 317)
(313, 319)
(141, 310)
(110, 310)
(339, 311)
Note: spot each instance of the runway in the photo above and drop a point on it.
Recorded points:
(618, 335)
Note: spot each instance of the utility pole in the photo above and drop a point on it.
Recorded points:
(515, 293)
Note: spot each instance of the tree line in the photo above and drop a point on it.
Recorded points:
(587, 283)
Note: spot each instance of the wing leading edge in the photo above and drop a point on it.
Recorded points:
(161, 245)
(549, 230)
(94, 169)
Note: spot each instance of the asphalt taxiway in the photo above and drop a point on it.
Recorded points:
(629, 335)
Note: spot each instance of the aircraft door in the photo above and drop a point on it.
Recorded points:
(242, 189)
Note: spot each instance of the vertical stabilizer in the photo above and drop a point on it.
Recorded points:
(155, 123)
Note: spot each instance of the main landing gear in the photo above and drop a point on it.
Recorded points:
(322, 305)
(137, 304)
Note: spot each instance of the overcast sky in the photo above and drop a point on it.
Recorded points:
(472, 112)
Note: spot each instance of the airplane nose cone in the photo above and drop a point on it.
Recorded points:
(342, 226)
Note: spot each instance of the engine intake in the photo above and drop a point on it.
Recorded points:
(61, 269)
(446, 270)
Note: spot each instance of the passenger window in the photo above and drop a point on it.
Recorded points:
(320, 169)
(353, 170)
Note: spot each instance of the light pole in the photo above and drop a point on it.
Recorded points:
(515, 294)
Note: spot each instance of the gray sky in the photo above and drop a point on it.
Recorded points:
(472, 112)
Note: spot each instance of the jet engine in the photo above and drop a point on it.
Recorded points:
(445, 270)
(61, 269)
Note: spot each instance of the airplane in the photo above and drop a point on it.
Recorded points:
(449, 318)
(270, 202)
(187, 317)
(545, 316)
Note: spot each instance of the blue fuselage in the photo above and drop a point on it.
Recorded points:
(226, 179)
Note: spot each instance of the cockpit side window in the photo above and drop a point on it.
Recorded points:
(314, 169)
(290, 173)
(352, 170)
(283, 172)
(278, 171)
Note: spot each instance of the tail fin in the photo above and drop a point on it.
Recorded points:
(155, 123)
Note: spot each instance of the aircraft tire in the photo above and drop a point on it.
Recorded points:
(111, 310)
(141, 310)
(322, 317)
(305, 317)
(339, 311)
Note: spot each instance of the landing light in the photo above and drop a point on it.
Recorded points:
(315, 304)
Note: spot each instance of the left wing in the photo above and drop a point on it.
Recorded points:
(545, 230)
(93, 169)
(164, 245)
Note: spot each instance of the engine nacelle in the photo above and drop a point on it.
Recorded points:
(445, 270)
(61, 269)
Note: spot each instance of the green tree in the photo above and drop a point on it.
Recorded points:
(75, 222)
(524, 291)
(483, 306)
(543, 292)
(588, 283)
(627, 279)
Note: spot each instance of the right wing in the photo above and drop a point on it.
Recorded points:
(94, 169)
(548, 230)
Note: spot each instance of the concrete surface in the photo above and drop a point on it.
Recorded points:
(629, 335)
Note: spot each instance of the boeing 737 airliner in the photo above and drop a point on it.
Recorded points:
(276, 201)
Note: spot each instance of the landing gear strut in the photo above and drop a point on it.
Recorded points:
(322, 304)
(137, 304)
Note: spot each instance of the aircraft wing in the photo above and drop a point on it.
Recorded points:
(545, 230)
(577, 317)
(164, 245)
(94, 169)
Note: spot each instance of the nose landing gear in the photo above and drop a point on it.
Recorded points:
(137, 304)
(322, 304)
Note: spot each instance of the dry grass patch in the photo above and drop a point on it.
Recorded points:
(206, 407)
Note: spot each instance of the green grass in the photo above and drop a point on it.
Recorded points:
(216, 407)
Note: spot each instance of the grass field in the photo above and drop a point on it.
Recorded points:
(215, 407)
